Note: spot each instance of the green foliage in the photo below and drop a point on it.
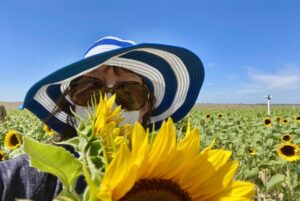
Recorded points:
(274, 181)
(52, 159)
(238, 129)
(243, 127)
(26, 124)
(251, 173)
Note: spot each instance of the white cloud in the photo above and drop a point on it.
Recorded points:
(278, 81)
(285, 79)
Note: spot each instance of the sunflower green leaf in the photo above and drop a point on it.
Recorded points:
(275, 180)
(251, 173)
(54, 160)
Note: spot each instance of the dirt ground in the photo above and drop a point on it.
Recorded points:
(15, 105)
(10, 105)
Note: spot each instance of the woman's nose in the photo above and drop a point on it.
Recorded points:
(110, 78)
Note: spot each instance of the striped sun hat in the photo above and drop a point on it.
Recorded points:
(174, 74)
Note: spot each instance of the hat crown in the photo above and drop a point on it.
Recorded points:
(106, 44)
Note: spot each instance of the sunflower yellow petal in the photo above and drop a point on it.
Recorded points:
(239, 190)
(123, 173)
(125, 185)
(178, 160)
(204, 166)
(217, 183)
(105, 193)
(115, 113)
(164, 143)
(138, 137)
(198, 170)
(218, 157)
(190, 143)
(111, 100)
(117, 168)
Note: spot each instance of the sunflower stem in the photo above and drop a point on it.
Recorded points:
(88, 178)
(105, 157)
(289, 183)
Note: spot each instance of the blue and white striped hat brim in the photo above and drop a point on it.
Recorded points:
(173, 73)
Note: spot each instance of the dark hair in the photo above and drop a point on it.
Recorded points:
(62, 104)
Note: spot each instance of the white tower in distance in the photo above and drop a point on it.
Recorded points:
(268, 97)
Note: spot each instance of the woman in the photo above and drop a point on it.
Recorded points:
(151, 81)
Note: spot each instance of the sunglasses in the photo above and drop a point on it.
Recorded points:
(131, 95)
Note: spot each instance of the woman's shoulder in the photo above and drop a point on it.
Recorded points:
(14, 162)
(19, 180)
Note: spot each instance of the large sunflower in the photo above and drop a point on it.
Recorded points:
(288, 151)
(164, 169)
(267, 122)
(12, 139)
(2, 156)
(286, 138)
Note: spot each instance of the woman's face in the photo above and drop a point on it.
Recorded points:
(110, 76)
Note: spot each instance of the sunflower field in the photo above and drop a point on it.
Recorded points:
(266, 147)
(16, 125)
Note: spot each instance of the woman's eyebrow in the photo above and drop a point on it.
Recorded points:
(118, 70)
(105, 69)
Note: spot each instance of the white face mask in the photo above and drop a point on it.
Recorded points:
(130, 117)
(82, 112)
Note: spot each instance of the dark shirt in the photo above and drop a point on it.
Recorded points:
(19, 180)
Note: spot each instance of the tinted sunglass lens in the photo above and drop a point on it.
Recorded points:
(83, 89)
(131, 96)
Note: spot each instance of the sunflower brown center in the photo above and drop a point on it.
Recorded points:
(156, 190)
(286, 138)
(267, 121)
(14, 140)
(298, 118)
(1, 157)
(288, 150)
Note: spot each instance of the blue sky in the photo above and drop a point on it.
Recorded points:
(249, 48)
